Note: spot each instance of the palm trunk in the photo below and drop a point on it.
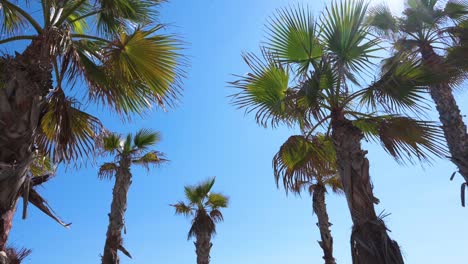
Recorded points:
(449, 114)
(320, 209)
(203, 247)
(25, 80)
(370, 242)
(114, 241)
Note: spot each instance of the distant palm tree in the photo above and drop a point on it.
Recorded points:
(128, 151)
(111, 53)
(311, 75)
(204, 206)
(299, 167)
(438, 34)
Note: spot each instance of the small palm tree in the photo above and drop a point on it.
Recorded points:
(128, 151)
(111, 53)
(437, 33)
(204, 206)
(310, 74)
(297, 165)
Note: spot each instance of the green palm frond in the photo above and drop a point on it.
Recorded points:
(191, 195)
(346, 36)
(400, 87)
(293, 38)
(41, 165)
(382, 20)
(263, 90)
(146, 138)
(456, 10)
(117, 14)
(127, 146)
(107, 170)
(111, 143)
(302, 160)
(183, 209)
(66, 132)
(154, 158)
(145, 63)
(11, 20)
(404, 138)
(217, 200)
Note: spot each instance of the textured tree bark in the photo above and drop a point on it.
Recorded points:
(203, 247)
(320, 209)
(370, 242)
(449, 113)
(26, 79)
(114, 241)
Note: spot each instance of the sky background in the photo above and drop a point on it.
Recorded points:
(206, 136)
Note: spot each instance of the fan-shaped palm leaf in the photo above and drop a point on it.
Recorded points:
(146, 138)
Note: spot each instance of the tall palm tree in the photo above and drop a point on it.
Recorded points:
(299, 168)
(128, 151)
(204, 206)
(312, 74)
(110, 53)
(438, 34)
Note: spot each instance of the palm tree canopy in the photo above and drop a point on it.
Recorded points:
(313, 70)
(442, 24)
(112, 49)
(132, 147)
(204, 205)
(305, 161)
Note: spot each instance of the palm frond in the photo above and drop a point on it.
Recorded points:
(304, 160)
(36, 199)
(192, 195)
(118, 15)
(404, 138)
(111, 143)
(66, 133)
(293, 38)
(107, 171)
(217, 200)
(183, 209)
(216, 215)
(155, 158)
(263, 90)
(381, 19)
(145, 138)
(10, 18)
(41, 165)
(400, 87)
(346, 36)
(456, 9)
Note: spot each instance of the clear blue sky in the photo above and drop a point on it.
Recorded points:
(206, 136)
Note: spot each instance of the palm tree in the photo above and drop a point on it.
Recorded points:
(110, 52)
(128, 151)
(311, 74)
(439, 36)
(297, 164)
(204, 206)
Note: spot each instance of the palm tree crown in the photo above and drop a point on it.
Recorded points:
(204, 205)
(113, 49)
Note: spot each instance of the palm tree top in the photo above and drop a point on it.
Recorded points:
(136, 148)
(311, 71)
(303, 162)
(115, 50)
(204, 205)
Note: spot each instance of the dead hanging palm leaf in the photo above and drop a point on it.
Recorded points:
(16, 256)
(107, 171)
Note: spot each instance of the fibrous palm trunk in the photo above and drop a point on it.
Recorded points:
(320, 209)
(24, 82)
(203, 247)
(114, 241)
(449, 114)
(370, 242)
